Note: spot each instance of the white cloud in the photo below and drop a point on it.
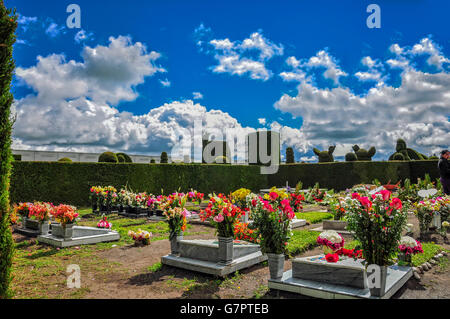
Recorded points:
(246, 57)
(262, 121)
(82, 35)
(197, 96)
(25, 21)
(418, 111)
(374, 72)
(53, 30)
(165, 83)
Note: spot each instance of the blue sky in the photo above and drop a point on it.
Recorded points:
(244, 82)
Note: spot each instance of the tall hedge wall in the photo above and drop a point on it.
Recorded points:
(70, 182)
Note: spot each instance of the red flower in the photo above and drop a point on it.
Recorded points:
(332, 258)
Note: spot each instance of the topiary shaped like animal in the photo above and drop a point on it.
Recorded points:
(325, 156)
(407, 153)
(364, 155)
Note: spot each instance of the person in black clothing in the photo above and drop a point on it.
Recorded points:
(444, 171)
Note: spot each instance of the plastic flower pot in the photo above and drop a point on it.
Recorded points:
(174, 244)
(276, 265)
(380, 289)
(225, 250)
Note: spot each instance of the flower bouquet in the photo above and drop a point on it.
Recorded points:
(272, 217)
(222, 213)
(103, 223)
(40, 211)
(23, 209)
(195, 197)
(425, 210)
(243, 232)
(331, 241)
(140, 237)
(377, 222)
(173, 207)
(66, 215)
(408, 247)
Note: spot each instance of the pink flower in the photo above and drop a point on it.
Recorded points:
(365, 201)
(355, 196)
(385, 194)
(219, 218)
(273, 195)
(396, 203)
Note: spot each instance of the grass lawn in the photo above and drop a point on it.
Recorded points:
(429, 250)
(314, 217)
(301, 240)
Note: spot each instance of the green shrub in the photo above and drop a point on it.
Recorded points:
(65, 159)
(408, 154)
(290, 155)
(108, 157)
(17, 157)
(164, 158)
(152, 161)
(124, 158)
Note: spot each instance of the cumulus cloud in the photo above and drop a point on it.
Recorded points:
(165, 83)
(262, 121)
(246, 57)
(83, 35)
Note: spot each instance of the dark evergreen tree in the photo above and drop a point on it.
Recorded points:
(164, 158)
(290, 155)
(8, 25)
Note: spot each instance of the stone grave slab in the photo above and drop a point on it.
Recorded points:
(81, 236)
(319, 282)
(203, 256)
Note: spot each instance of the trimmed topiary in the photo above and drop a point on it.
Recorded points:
(408, 153)
(108, 157)
(120, 158)
(65, 159)
(17, 157)
(126, 158)
(398, 157)
(350, 157)
(152, 161)
(325, 156)
(290, 155)
(364, 155)
(164, 158)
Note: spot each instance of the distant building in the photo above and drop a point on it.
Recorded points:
(51, 156)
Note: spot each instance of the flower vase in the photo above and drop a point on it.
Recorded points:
(379, 284)
(402, 256)
(44, 227)
(174, 244)
(225, 250)
(276, 265)
(65, 232)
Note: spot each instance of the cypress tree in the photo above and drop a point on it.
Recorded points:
(8, 25)
(164, 158)
(289, 155)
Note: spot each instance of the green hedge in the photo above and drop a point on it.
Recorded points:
(70, 182)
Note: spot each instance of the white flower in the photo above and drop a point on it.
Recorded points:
(332, 236)
(408, 241)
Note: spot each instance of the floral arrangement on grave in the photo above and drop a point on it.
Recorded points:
(445, 208)
(243, 232)
(222, 213)
(331, 241)
(65, 214)
(425, 210)
(377, 222)
(296, 201)
(107, 196)
(152, 201)
(23, 209)
(13, 217)
(195, 197)
(410, 246)
(140, 237)
(104, 223)
(40, 211)
(272, 217)
(139, 200)
(176, 214)
(338, 207)
(94, 195)
(239, 197)
(315, 195)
